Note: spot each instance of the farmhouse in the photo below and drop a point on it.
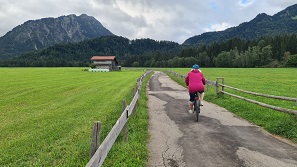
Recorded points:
(106, 62)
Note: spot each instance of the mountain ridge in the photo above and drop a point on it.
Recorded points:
(283, 22)
(38, 34)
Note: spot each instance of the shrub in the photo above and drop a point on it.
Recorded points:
(92, 65)
(292, 61)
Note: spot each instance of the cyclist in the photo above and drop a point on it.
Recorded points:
(195, 82)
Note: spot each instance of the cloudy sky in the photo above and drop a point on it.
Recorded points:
(172, 20)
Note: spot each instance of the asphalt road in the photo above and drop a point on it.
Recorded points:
(219, 139)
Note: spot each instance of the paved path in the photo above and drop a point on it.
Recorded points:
(219, 139)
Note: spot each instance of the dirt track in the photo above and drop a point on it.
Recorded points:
(218, 139)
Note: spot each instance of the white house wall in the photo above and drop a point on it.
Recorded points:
(103, 67)
(106, 64)
(102, 62)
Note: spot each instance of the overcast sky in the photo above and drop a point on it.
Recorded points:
(172, 20)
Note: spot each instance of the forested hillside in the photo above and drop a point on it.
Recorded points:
(278, 51)
(79, 54)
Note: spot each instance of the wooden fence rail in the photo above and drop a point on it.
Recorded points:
(217, 84)
(99, 156)
(260, 94)
(290, 111)
(263, 104)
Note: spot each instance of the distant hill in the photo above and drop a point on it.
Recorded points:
(284, 22)
(37, 34)
(80, 53)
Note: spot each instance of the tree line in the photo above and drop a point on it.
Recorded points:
(277, 51)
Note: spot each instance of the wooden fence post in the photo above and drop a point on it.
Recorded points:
(217, 85)
(134, 90)
(95, 143)
(125, 128)
(137, 102)
(223, 83)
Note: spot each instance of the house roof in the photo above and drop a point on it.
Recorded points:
(103, 58)
(98, 58)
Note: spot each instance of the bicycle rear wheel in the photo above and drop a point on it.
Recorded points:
(197, 109)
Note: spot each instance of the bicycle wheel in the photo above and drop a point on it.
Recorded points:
(197, 109)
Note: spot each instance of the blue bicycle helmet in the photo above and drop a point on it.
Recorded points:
(195, 66)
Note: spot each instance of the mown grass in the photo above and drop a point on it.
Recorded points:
(47, 114)
(134, 152)
(279, 82)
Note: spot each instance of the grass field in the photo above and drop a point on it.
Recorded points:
(133, 153)
(47, 114)
(276, 81)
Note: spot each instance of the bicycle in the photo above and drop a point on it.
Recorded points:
(196, 106)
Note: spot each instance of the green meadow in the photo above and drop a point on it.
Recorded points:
(272, 81)
(47, 114)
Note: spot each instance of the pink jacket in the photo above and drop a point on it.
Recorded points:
(195, 81)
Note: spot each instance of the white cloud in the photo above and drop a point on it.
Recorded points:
(218, 27)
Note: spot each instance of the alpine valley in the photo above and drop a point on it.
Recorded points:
(265, 41)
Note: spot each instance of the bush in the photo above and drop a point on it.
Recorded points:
(292, 61)
(92, 65)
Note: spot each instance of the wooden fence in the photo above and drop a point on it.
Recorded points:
(217, 84)
(290, 111)
(99, 152)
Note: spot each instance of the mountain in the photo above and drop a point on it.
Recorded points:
(37, 34)
(284, 22)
